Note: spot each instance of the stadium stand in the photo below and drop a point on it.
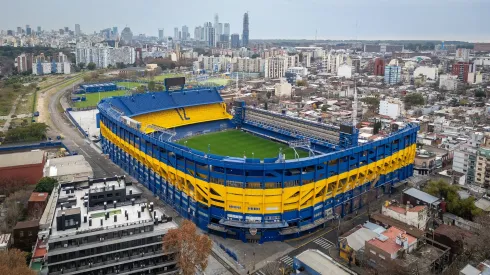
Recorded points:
(280, 198)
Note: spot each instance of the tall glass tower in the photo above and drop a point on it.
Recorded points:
(245, 30)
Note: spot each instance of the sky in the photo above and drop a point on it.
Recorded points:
(466, 20)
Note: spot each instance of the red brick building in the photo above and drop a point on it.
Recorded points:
(25, 235)
(379, 67)
(461, 69)
(36, 204)
(26, 166)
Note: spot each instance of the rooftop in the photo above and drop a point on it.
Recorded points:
(322, 263)
(79, 194)
(36, 197)
(389, 244)
(421, 195)
(27, 224)
(23, 158)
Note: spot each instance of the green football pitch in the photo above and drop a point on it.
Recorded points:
(93, 98)
(235, 143)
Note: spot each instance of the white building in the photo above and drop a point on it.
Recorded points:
(301, 71)
(416, 216)
(344, 70)
(332, 61)
(391, 107)
(249, 65)
(104, 56)
(448, 82)
(431, 73)
(42, 68)
(283, 89)
(275, 67)
(68, 169)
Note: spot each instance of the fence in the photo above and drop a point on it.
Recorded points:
(74, 121)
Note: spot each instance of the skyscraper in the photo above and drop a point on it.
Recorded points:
(28, 30)
(176, 33)
(160, 34)
(227, 29)
(77, 29)
(235, 40)
(19, 30)
(212, 37)
(126, 35)
(245, 30)
(114, 31)
(38, 29)
(185, 32)
(197, 33)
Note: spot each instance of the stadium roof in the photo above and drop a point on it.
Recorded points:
(140, 104)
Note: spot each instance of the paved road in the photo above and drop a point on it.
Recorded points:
(102, 167)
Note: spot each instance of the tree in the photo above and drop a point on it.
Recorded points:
(480, 93)
(277, 268)
(414, 99)
(159, 87)
(120, 65)
(16, 205)
(464, 208)
(91, 66)
(151, 86)
(46, 184)
(81, 65)
(372, 102)
(255, 55)
(192, 249)
(302, 83)
(141, 89)
(13, 262)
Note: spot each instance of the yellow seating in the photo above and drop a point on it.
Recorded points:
(195, 114)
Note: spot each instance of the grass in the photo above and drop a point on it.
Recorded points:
(161, 78)
(130, 84)
(25, 104)
(93, 98)
(234, 143)
(218, 81)
(101, 214)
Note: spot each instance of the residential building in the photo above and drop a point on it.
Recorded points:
(379, 67)
(414, 196)
(104, 56)
(24, 234)
(416, 216)
(391, 107)
(392, 75)
(351, 243)
(235, 41)
(36, 204)
(197, 33)
(126, 35)
(104, 226)
(25, 166)
(78, 32)
(482, 177)
(462, 69)
(185, 33)
(345, 70)
(424, 162)
(431, 73)
(212, 37)
(283, 89)
(245, 34)
(275, 67)
(250, 65)
(448, 82)
(462, 55)
(465, 157)
(160, 34)
(24, 62)
(301, 71)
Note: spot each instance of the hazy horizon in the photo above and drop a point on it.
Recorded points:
(273, 19)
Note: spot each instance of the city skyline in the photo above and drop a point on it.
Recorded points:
(320, 19)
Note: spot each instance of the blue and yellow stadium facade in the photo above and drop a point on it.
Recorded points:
(249, 200)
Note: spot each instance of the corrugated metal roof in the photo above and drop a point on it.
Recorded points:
(358, 239)
(24, 158)
(421, 195)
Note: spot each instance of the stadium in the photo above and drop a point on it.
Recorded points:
(255, 175)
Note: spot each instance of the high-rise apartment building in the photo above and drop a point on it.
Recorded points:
(185, 32)
(226, 30)
(379, 66)
(275, 67)
(104, 226)
(207, 28)
(392, 75)
(24, 62)
(462, 69)
(77, 30)
(245, 30)
(197, 33)
(104, 56)
(176, 33)
(212, 37)
(235, 40)
(160, 34)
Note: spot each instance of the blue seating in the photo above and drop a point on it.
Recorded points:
(139, 104)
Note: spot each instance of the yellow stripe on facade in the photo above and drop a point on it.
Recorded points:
(265, 201)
